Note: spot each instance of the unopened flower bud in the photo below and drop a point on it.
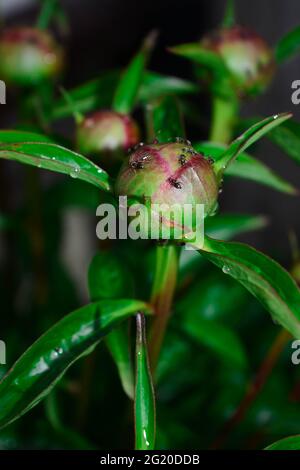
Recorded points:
(170, 174)
(107, 135)
(246, 55)
(29, 56)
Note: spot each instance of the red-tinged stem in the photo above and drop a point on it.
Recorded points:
(165, 279)
(255, 387)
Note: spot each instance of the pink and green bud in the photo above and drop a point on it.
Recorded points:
(246, 55)
(29, 56)
(169, 175)
(107, 135)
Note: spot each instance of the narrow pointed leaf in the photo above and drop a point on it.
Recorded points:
(39, 369)
(288, 443)
(229, 16)
(248, 138)
(249, 168)
(128, 87)
(14, 137)
(144, 406)
(108, 278)
(288, 46)
(56, 158)
(167, 119)
(287, 137)
(263, 277)
(95, 94)
(227, 226)
(155, 85)
(48, 11)
(98, 94)
(201, 56)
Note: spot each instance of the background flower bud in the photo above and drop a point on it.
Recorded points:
(247, 56)
(171, 173)
(28, 56)
(107, 135)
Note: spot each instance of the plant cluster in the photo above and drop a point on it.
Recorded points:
(176, 323)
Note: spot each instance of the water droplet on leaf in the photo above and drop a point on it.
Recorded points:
(75, 172)
(226, 269)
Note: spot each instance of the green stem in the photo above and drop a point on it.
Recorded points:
(164, 285)
(224, 114)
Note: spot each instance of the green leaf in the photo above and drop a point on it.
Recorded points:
(109, 279)
(39, 369)
(155, 85)
(144, 406)
(13, 137)
(208, 59)
(167, 119)
(249, 168)
(229, 16)
(288, 443)
(288, 46)
(287, 137)
(217, 337)
(127, 90)
(95, 94)
(248, 138)
(227, 226)
(212, 296)
(48, 10)
(68, 436)
(56, 158)
(98, 94)
(263, 277)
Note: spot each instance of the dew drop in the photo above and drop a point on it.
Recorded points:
(226, 269)
(145, 437)
(75, 172)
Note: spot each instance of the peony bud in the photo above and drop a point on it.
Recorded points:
(170, 174)
(106, 134)
(28, 56)
(247, 56)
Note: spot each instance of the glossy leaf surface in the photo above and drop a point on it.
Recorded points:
(288, 46)
(109, 279)
(56, 158)
(248, 138)
(262, 276)
(248, 167)
(39, 369)
(144, 406)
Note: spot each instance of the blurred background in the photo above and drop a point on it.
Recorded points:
(105, 34)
